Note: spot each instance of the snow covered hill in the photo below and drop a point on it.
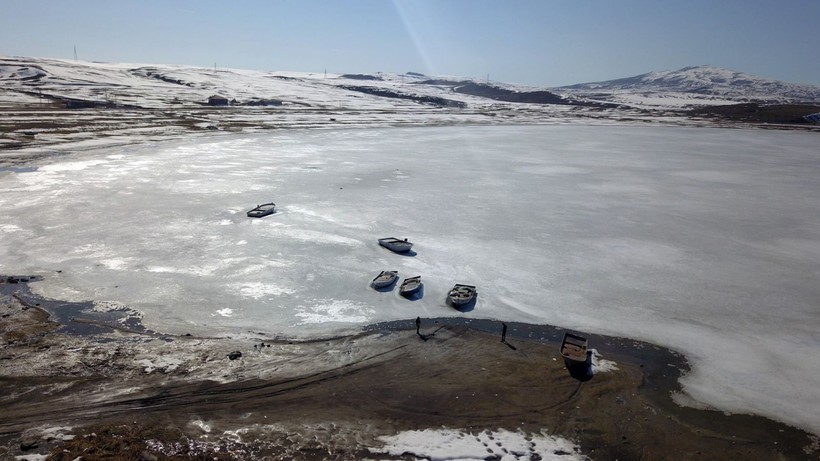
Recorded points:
(122, 104)
(39, 99)
(95, 84)
(693, 86)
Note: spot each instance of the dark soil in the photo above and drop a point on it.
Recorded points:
(757, 113)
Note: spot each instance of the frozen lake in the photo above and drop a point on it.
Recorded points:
(703, 240)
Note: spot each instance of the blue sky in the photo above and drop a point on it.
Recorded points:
(535, 42)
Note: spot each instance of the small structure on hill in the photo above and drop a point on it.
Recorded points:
(217, 100)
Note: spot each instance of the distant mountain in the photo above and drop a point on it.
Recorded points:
(708, 82)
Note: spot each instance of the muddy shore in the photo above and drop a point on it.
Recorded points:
(108, 389)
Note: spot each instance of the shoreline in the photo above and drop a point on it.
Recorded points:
(333, 398)
(31, 149)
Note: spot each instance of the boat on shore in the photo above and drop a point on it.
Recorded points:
(385, 279)
(461, 294)
(396, 245)
(410, 286)
(262, 210)
(574, 349)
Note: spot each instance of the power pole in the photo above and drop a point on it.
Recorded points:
(75, 53)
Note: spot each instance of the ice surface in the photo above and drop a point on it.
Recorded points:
(703, 240)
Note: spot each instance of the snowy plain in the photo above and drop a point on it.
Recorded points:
(702, 240)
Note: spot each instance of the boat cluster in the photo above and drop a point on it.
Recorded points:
(459, 295)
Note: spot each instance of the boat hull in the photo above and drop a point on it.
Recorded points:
(395, 245)
(461, 295)
(385, 279)
(574, 349)
(410, 286)
(262, 210)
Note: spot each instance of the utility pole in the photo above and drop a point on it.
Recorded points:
(75, 53)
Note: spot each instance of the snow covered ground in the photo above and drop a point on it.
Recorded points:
(448, 444)
(703, 240)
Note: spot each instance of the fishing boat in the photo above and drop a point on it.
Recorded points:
(262, 210)
(410, 286)
(385, 279)
(574, 349)
(396, 245)
(461, 294)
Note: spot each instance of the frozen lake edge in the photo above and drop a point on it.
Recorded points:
(160, 373)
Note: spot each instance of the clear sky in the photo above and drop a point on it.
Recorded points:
(535, 42)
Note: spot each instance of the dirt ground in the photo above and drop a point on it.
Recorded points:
(138, 395)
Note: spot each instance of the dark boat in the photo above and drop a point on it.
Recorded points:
(461, 294)
(385, 279)
(396, 245)
(262, 210)
(410, 286)
(574, 349)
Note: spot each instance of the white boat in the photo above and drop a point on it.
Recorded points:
(396, 245)
(574, 349)
(461, 294)
(410, 286)
(262, 210)
(385, 279)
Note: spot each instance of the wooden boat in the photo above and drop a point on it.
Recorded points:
(461, 294)
(262, 210)
(396, 245)
(410, 286)
(385, 279)
(574, 349)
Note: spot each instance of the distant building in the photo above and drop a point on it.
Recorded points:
(813, 118)
(216, 100)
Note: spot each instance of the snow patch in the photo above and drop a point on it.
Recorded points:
(161, 364)
(451, 444)
(108, 306)
(117, 264)
(9, 228)
(33, 457)
(201, 424)
(601, 365)
(258, 290)
(334, 311)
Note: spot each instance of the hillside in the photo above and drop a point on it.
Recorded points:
(51, 105)
(38, 81)
(693, 86)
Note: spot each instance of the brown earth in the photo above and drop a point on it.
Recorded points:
(333, 398)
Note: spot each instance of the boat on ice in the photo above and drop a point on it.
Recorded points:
(262, 210)
(385, 279)
(410, 286)
(461, 294)
(574, 349)
(396, 245)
